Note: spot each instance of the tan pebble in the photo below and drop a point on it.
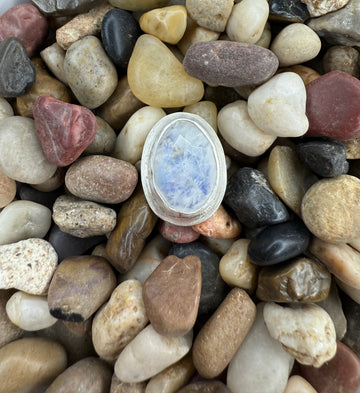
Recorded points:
(119, 320)
(172, 378)
(118, 386)
(236, 269)
(8, 331)
(219, 226)
(81, 26)
(7, 189)
(54, 57)
(30, 364)
(138, 5)
(221, 336)
(205, 109)
(157, 78)
(322, 7)
(307, 74)
(168, 23)
(297, 384)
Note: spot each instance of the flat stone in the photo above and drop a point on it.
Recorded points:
(222, 335)
(250, 196)
(18, 73)
(64, 7)
(138, 5)
(156, 77)
(79, 287)
(342, 58)
(7, 189)
(90, 73)
(20, 148)
(298, 384)
(342, 372)
(318, 8)
(118, 386)
(212, 15)
(30, 364)
(178, 233)
(29, 312)
(101, 179)
(303, 280)
(205, 387)
(334, 87)
(330, 209)
(54, 57)
(171, 295)
(90, 374)
(279, 243)
(278, 106)
(150, 353)
(26, 23)
(288, 11)
(254, 371)
(8, 331)
(82, 218)
(229, 63)
(120, 320)
(27, 265)
(213, 288)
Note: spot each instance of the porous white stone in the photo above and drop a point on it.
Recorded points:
(150, 353)
(29, 312)
(278, 106)
(240, 132)
(306, 331)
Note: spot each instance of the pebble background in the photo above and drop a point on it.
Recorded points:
(98, 294)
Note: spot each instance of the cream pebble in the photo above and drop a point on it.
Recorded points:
(6, 109)
(54, 57)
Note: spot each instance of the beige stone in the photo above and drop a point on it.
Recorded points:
(6, 109)
(297, 384)
(157, 78)
(7, 189)
(8, 331)
(221, 336)
(54, 57)
(118, 386)
(205, 109)
(265, 38)
(352, 149)
(30, 364)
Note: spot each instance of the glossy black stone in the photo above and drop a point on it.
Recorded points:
(250, 196)
(65, 7)
(119, 32)
(27, 193)
(288, 11)
(213, 288)
(325, 158)
(17, 72)
(279, 243)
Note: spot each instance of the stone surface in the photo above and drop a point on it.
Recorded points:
(150, 353)
(29, 193)
(318, 8)
(279, 243)
(120, 320)
(212, 15)
(29, 312)
(27, 265)
(171, 295)
(18, 73)
(8, 331)
(119, 32)
(167, 23)
(205, 109)
(330, 209)
(339, 90)
(250, 196)
(288, 177)
(278, 106)
(213, 288)
(297, 384)
(288, 11)
(26, 23)
(6, 4)
(6, 109)
(90, 374)
(341, 373)
(54, 57)
(295, 44)
(303, 280)
(138, 5)
(101, 179)
(342, 58)
(351, 309)
(118, 386)
(135, 223)
(247, 21)
(307, 74)
(221, 336)
(157, 78)
(254, 371)
(229, 63)
(306, 331)
(79, 287)
(64, 7)
(82, 218)
(53, 183)
(20, 149)
(104, 140)
(89, 71)
(237, 128)
(130, 141)
(177, 233)
(212, 386)
(30, 364)
(7, 189)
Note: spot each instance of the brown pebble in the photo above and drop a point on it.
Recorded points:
(171, 295)
(307, 74)
(118, 386)
(7, 189)
(342, 58)
(79, 328)
(8, 331)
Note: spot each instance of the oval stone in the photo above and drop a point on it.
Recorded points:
(101, 179)
(229, 63)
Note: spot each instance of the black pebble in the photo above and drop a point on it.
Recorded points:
(27, 193)
(288, 11)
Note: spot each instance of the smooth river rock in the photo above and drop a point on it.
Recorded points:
(8, 331)
(342, 58)
(7, 189)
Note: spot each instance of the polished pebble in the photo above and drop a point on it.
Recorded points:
(8, 331)
(54, 57)
(7, 189)
(101, 179)
(120, 320)
(229, 63)
(104, 141)
(64, 7)
(297, 384)
(177, 233)
(342, 58)
(288, 11)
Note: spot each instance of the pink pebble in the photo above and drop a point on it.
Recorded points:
(26, 23)
(64, 130)
(177, 234)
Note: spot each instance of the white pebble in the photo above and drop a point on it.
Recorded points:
(6, 109)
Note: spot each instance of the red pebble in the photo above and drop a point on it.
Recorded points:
(333, 106)
(177, 233)
(64, 130)
(26, 23)
(340, 374)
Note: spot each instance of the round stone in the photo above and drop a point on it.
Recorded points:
(211, 386)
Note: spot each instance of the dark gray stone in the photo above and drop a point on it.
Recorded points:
(288, 11)
(65, 7)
